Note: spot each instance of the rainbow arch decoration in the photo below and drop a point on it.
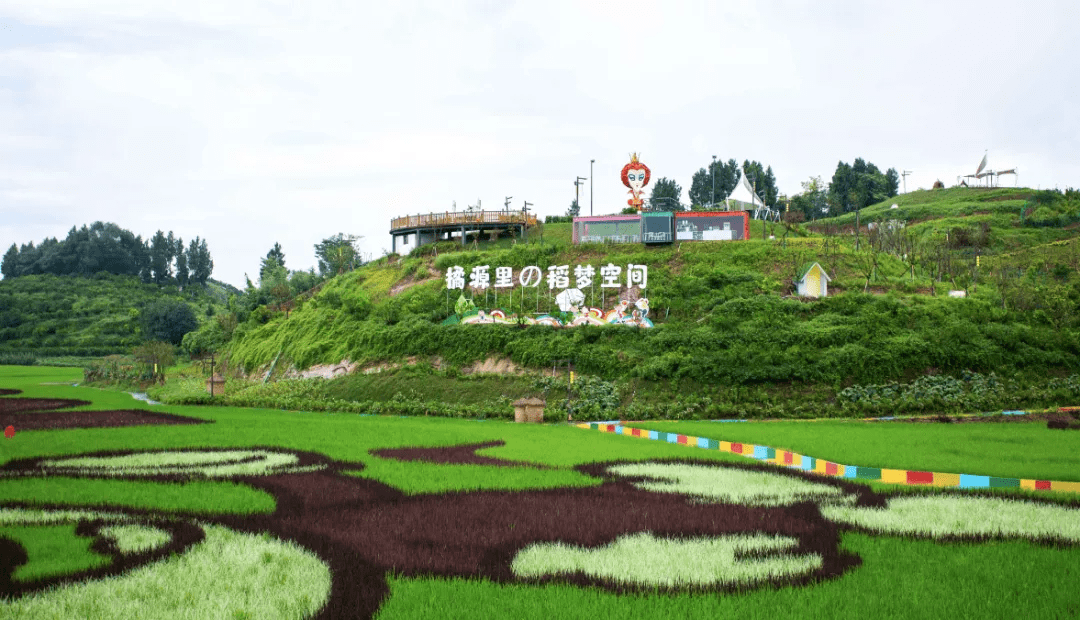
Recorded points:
(787, 458)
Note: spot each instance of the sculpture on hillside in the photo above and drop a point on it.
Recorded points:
(635, 175)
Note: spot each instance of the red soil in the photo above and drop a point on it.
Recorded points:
(453, 455)
(39, 414)
(51, 420)
(20, 405)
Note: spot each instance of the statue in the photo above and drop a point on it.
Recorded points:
(635, 175)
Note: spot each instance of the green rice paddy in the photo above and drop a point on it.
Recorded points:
(906, 572)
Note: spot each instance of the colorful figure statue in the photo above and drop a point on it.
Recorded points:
(635, 175)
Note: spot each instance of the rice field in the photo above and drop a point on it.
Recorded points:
(259, 513)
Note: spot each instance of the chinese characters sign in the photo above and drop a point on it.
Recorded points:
(558, 277)
(630, 310)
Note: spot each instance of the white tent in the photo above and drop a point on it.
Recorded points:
(742, 193)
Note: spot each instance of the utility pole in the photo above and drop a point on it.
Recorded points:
(506, 205)
(525, 210)
(578, 182)
(712, 196)
(907, 172)
(591, 162)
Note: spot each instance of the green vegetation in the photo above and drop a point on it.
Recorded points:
(727, 342)
(135, 538)
(47, 315)
(956, 516)
(52, 550)
(731, 486)
(238, 575)
(107, 248)
(898, 577)
(724, 560)
(197, 496)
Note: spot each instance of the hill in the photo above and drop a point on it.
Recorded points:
(730, 335)
(50, 316)
(992, 220)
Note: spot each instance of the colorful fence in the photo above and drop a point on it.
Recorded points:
(794, 460)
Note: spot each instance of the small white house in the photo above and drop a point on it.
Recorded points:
(814, 281)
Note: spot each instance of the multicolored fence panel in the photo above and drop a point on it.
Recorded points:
(795, 460)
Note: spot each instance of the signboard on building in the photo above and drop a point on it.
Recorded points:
(607, 229)
(712, 226)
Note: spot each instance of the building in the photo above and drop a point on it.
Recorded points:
(814, 281)
(657, 227)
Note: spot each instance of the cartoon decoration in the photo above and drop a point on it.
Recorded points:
(635, 175)
(634, 314)
(568, 281)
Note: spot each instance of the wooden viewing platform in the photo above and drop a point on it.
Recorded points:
(433, 227)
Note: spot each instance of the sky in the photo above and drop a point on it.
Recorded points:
(249, 123)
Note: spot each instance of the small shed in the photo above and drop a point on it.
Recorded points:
(814, 281)
(529, 410)
(215, 385)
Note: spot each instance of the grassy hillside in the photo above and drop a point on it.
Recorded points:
(1014, 218)
(47, 315)
(729, 334)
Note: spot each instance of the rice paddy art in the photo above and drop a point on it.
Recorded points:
(336, 540)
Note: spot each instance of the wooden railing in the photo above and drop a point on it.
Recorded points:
(463, 217)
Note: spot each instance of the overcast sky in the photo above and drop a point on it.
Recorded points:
(249, 123)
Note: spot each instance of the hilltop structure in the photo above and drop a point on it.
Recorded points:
(663, 227)
(433, 227)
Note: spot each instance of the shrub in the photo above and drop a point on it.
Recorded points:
(18, 358)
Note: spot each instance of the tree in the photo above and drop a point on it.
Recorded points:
(859, 185)
(892, 182)
(10, 262)
(665, 196)
(574, 210)
(174, 247)
(274, 281)
(721, 176)
(182, 273)
(167, 320)
(156, 357)
(763, 181)
(812, 202)
(274, 257)
(160, 258)
(303, 281)
(274, 254)
(142, 259)
(199, 261)
(700, 189)
(337, 254)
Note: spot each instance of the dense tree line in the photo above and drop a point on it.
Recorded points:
(860, 184)
(711, 186)
(810, 204)
(105, 247)
(665, 196)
